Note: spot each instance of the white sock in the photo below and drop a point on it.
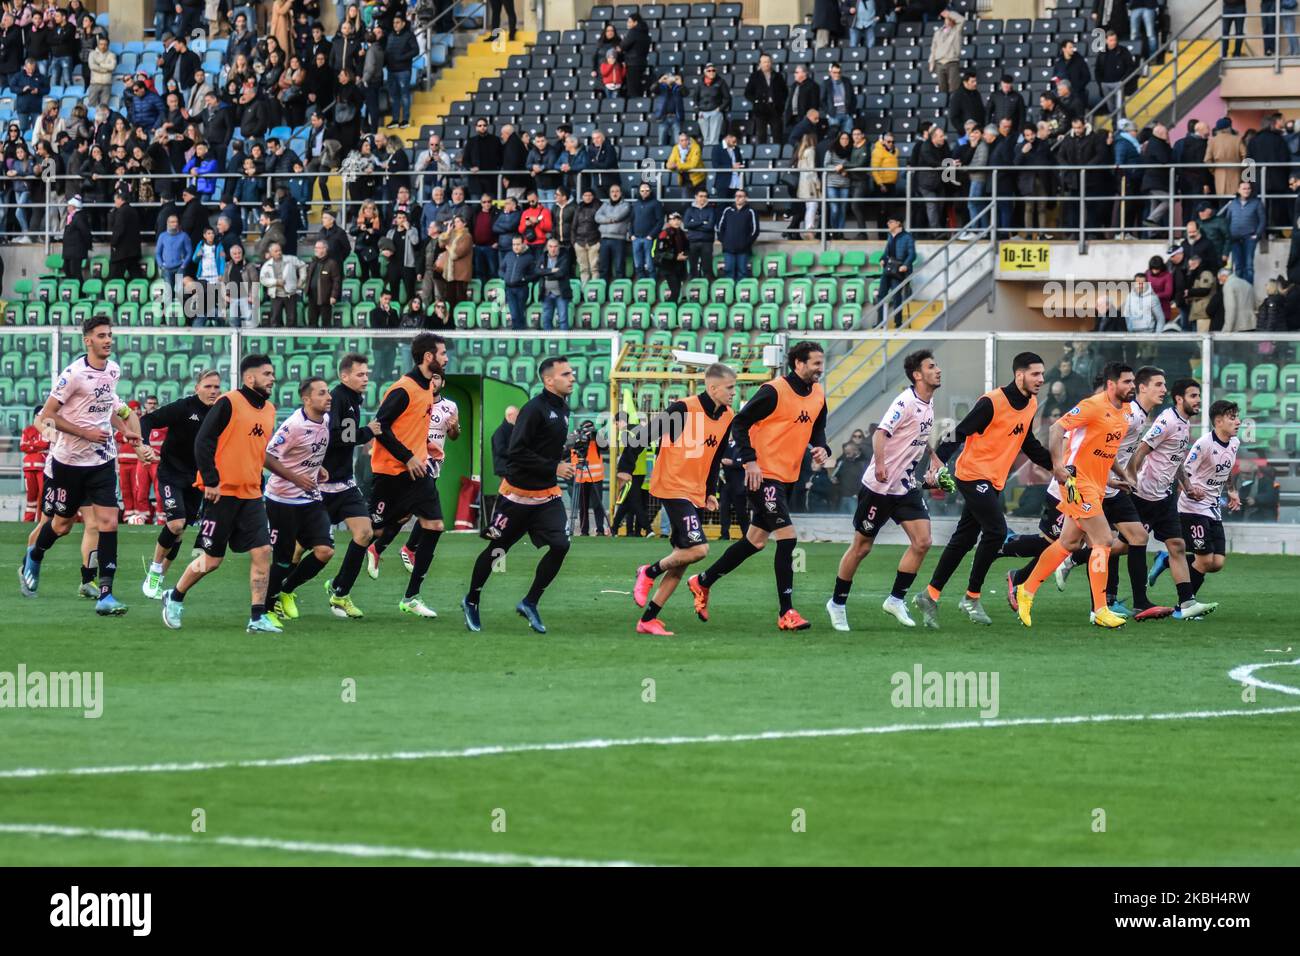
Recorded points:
(155, 567)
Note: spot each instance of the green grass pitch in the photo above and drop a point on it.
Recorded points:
(1191, 790)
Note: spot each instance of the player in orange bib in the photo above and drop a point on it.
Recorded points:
(692, 440)
(230, 451)
(773, 431)
(1084, 444)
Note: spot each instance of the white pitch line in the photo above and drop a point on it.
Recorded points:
(492, 750)
(356, 850)
(1245, 675)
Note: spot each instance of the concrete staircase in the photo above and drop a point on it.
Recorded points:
(477, 59)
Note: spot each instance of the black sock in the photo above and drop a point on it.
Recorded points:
(274, 580)
(107, 561)
(87, 574)
(784, 566)
(1080, 557)
(1197, 579)
(423, 558)
(1022, 575)
(482, 568)
(547, 569)
(45, 539)
(175, 549)
(178, 596)
(841, 595)
(353, 558)
(1137, 575)
(1112, 577)
(731, 559)
(1185, 591)
(258, 611)
(303, 571)
(387, 537)
(651, 611)
(653, 571)
(902, 581)
(1025, 546)
(413, 542)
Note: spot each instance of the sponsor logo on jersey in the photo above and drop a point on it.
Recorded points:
(1018, 430)
(257, 431)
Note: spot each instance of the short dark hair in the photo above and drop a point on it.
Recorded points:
(425, 343)
(549, 363)
(1113, 371)
(351, 359)
(1223, 407)
(1024, 360)
(256, 360)
(912, 363)
(94, 322)
(307, 384)
(1181, 385)
(802, 352)
(1147, 372)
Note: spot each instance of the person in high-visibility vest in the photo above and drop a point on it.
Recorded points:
(632, 505)
(589, 475)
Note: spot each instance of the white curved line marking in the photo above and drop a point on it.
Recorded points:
(1245, 675)
(356, 850)
(493, 750)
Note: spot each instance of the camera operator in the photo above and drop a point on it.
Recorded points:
(589, 477)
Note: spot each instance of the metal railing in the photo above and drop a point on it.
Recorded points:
(1088, 215)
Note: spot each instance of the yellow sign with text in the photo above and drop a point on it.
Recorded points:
(1024, 257)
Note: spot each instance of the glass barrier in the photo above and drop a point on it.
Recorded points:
(160, 362)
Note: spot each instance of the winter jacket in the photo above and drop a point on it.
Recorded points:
(699, 223)
(400, 51)
(506, 228)
(614, 219)
(586, 231)
(1142, 312)
(946, 43)
(102, 66)
(647, 218)
(1246, 220)
(738, 229)
(713, 96)
(688, 171)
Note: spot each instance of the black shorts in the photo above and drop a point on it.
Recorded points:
(345, 504)
(546, 524)
(684, 522)
(983, 503)
(181, 501)
(875, 510)
(1203, 534)
(1120, 509)
(70, 487)
(239, 523)
(394, 498)
(308, 525)
(1160, 517)
(768, 507)
(1052, 523)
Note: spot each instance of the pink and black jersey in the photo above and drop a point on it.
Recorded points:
(88, 396)
(299, 444)
(907, 424)
(1209, 466)
(443, 411)
(1168, 438)
(1136, 419)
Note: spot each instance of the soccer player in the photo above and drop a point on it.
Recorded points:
(1209, 476)
(179, 499)
(293, 499)
(399, 460)
(230, 451)
(342, 499)
(998, 428)
(692, 441)
(891, 489)
(82, 406)
(529, 501)
(1158, 465)
(773, 431)
(444, 423)
(1120, 509)
(1083, 444)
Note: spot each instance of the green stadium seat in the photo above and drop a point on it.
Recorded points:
(150, 268)
(36, 363)
(351, 267)
(665, 315)
(714, 343)
(695, 290)
(11, 363)
(498, 366)
(633, 337)
(494, 290)
(660, 338)
(638, 316)
(24, 288)
(361, 320)
(53, 265)
(853, 262)
(469, 364)
(99, 267)
(69, 290)
(371, 289)
(828, 262)
(81, 311)
(1263, 403)
(740, 317)
(715, 317)
(676, 392)
(595, 398)
(794, 317)
(47, 290)
(826, 291)
(1238, 399)
(137, 290)
(1233, 376)
(722, 291)
(522, 369)
(773, 265)
(798, 292)
(615, 315)
(464, 316)
(853, 291)
(1288, 440)
(586, 316)
(651, 397)
(93, 289)
(115, 291)
(687, 341)
(1289, 408)
(688, 316)
(351, 290)
(474, 289)
(593, 290)
(501, 345)
(599, 370)
(645, 290)
(772, 291)
(60, 313)
(168, 392)
(1263, 378)
(13, 313)
(820, 318)
(747, 291)
(848, 317)
(736, 343)
(801, 263)
(620, 290)
(1289, 379)
(767, 318)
